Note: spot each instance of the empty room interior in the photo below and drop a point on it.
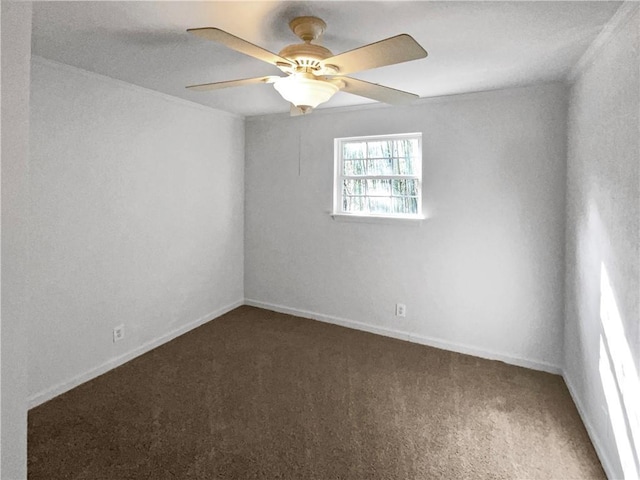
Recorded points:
(320, 240)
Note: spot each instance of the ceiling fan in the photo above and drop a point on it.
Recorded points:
(314, 73)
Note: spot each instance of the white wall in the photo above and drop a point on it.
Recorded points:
(16, 50)
(603, 240)
(136, 216)
(483, 274)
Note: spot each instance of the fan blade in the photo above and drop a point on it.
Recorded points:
(238, 44)
(398, 49)
(376, 92)
(232, 83)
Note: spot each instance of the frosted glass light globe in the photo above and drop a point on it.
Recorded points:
(305, 90)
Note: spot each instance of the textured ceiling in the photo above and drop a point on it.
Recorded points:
(472, 46)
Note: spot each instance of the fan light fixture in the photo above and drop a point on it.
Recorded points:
(305, 90)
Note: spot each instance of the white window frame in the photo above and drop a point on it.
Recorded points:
(337, 212)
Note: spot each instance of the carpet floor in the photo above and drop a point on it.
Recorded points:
(257, 394)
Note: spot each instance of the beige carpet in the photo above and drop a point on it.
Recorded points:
(256, 394)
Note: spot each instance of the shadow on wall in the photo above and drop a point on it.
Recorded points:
(619, 378)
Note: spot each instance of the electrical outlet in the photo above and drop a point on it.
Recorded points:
(401, 310)
(118, 333)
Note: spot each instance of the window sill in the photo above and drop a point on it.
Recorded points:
(412, 220)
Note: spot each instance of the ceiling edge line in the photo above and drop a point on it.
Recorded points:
(130, 86)
(417, 103)
(618, 20)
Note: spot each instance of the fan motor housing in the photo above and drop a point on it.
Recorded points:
(306, 55)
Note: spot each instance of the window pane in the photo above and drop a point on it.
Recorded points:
(380, 167)
(353, 187)
(354, 167)
(381, 149)
(407, 148)
(353, 204)
(379, 204)
(406, 166)
(378, 187)
(407, 153)
(406, 187)
(405, 205)
(354, 150)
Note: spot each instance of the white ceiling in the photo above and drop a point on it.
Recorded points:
(473, 46)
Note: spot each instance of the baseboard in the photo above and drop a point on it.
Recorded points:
(62, 387)
(487, 354)
(607, 465)
(410, 337)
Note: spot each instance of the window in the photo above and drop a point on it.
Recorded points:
(378, 176)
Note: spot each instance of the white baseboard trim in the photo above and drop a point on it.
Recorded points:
(607, 465)
(62, 387)
(410, 337)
